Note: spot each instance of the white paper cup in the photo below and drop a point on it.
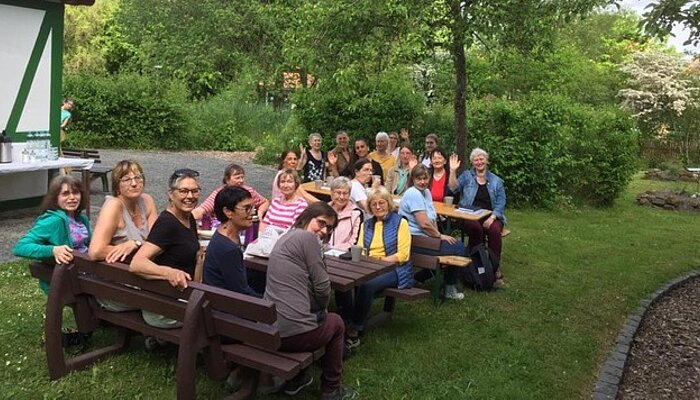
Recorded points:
(318, 183)
(448, 200)
(355, 253)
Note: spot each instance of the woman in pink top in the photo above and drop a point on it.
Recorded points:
(289, 160)
(349, 216)
(286, 207)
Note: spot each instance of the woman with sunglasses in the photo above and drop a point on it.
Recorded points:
(126, 216)
(298, 284)
(170, 251)
(223, 265)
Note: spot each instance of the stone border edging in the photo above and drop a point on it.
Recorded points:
(610, 375)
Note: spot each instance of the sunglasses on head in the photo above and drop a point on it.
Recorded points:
(186, 172)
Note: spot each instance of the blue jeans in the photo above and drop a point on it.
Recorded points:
(446, 249)
(356, 314)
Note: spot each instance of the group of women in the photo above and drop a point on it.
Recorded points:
(164, 246)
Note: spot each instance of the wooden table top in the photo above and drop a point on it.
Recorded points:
(344, 274)
(441, 208)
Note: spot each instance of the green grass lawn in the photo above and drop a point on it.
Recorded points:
(572, 278)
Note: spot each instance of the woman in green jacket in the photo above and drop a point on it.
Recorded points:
(61, 229)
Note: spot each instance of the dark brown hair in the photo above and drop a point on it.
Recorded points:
(50, 201)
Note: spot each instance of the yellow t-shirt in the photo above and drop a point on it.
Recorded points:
(386, 162)
(376, 247)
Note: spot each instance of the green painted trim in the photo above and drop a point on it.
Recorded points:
(29, 74)
(55, 14)
(20, 203)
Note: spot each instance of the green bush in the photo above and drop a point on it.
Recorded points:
(126, 110)
(375, 103)
(551, 151)
(233, 120)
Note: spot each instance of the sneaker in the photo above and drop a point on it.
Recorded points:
(153, 343)
(277, 385)
(452, 293)
(347, 352)
(342, 393)
(298, 383)
(352, 342)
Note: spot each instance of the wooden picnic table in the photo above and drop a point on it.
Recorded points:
(344, 274)
(442, 209)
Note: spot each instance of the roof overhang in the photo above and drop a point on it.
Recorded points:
(74, 2)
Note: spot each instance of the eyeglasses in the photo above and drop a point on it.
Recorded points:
(184, 191)
(186, 172)
(246, 209)
(378, 204)
(322, 223)
(341, 193)
(127, 179)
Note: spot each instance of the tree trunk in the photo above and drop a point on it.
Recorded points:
(460, 62)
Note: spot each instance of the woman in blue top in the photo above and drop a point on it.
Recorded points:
(417, 207)
(223, 265)
(480, 188)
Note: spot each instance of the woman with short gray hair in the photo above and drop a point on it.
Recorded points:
(480, 188)
(349, 215)
(313, 160)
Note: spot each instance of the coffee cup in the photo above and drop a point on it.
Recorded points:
(355, 252)
(448, 200)
(318, 183)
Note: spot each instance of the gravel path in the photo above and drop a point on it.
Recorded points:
(664, 361)
(158, 166)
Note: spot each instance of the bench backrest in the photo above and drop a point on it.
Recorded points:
(223, 312)
(421, 260)
(69, 152)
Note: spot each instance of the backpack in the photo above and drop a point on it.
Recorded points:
(480, 275)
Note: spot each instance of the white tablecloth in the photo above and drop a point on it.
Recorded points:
(15, 167)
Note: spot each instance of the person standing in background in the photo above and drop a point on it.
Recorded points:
(66, 117)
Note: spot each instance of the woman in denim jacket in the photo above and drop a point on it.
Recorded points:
(480, 188)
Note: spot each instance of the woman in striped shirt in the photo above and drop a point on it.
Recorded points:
(286, 207)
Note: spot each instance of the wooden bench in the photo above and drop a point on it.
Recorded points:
(97, 171)
(410, 294)
(208, 315)
(436, 263)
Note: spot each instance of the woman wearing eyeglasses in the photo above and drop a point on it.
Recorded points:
(223, 265)
(386, 237)
(170, 251)
(349, 216)
(125, 217)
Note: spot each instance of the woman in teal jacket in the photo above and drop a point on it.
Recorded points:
(61, 229)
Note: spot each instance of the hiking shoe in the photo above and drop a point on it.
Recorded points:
(452, 293)
(342, 393)
(347, 352)
(352, 342)
(298, 383)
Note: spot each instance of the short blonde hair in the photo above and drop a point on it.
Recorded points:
(380, 193)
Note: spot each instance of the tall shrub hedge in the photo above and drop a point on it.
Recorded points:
(369, 105)
(550, 150)
(127, 111)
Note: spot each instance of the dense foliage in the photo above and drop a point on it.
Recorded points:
(127, 110)
(262, 75)
(551, 151)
